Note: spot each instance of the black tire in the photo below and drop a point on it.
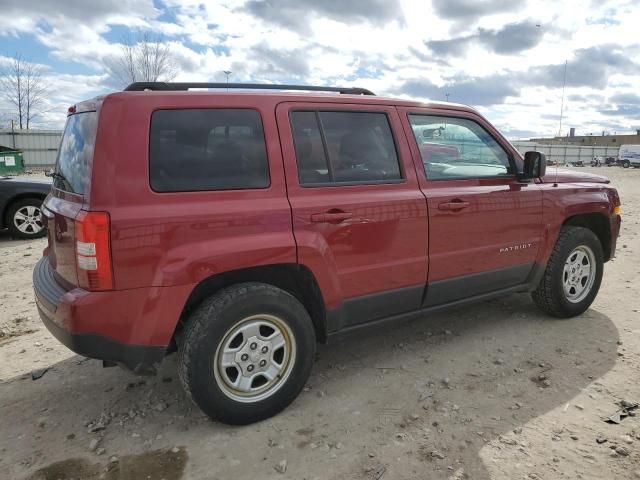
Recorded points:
(207, 328)
(626, 164)
(16, 207)
(550, 295)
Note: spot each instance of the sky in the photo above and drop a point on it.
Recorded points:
(504, 57)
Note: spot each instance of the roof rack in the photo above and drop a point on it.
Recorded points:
(164, 86)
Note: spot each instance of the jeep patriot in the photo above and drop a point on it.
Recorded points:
(241, 227)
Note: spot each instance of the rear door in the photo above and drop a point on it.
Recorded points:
(485, 226)
(359, 218)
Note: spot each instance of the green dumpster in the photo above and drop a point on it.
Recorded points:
(11, 163)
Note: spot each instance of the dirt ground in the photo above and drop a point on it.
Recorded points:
(497, 390)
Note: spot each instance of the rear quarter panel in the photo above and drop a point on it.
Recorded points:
(167, 239)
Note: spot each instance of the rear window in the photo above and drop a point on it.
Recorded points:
(73, 165)
(207, 149)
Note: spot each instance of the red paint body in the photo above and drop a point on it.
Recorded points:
(397, 235)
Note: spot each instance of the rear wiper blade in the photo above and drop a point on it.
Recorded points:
(59, 176)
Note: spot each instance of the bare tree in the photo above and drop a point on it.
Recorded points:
(24, 88)
(147, 59)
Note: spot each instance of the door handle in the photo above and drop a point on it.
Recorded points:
(453, 205)
(330, 217)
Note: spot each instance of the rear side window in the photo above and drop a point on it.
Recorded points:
(207, 149)
(73, 166)
(344, 147)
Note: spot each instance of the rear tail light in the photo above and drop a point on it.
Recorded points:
(93, 251)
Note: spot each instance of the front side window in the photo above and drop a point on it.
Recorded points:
(344, 147)
(458, 148)
(207, 149)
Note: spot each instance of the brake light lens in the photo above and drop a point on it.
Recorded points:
(93, 251)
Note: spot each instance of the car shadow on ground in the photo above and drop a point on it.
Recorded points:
(415, 400)
(6, 240)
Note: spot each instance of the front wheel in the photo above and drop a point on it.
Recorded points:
(246, 353)
(573, 275)
(626, 164)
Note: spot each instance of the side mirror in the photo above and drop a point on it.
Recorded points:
(432, 132)
(535, 165)
(49, 173)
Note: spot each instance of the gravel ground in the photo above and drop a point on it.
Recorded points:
(497, 390)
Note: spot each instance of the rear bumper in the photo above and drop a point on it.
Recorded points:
(138, 358)
(130, 327)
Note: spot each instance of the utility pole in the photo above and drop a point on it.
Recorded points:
(13, 134)
(447, 96)
(227, 73)
(564, 84)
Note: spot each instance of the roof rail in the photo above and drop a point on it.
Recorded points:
(164, 86)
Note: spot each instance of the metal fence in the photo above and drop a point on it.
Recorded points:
(39, 147)
(565, 154)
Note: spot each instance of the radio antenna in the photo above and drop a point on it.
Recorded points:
(564, 84)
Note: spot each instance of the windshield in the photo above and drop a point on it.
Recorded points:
(73, 166)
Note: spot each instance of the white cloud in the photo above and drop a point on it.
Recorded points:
(501, 55)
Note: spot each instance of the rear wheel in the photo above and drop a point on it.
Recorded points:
(246, 353)
(23, 218)
(573, 275)
(626, 164)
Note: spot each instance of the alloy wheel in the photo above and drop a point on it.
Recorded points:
(27, 219)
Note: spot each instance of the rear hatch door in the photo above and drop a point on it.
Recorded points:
(70, 193)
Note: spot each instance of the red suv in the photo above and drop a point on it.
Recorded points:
(241, 228)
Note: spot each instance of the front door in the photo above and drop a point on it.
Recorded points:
(485, 226)
(359, 218)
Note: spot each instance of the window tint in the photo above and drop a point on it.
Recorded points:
(76, 153)
(344, 147)
(207, 149)
(456, 147)
(312, 162)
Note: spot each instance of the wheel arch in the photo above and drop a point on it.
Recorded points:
(296, 279)
(598, 224)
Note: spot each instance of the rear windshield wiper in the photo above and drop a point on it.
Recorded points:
(58, 176)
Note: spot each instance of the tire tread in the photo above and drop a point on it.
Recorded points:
(546, 295)
(199, 324)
